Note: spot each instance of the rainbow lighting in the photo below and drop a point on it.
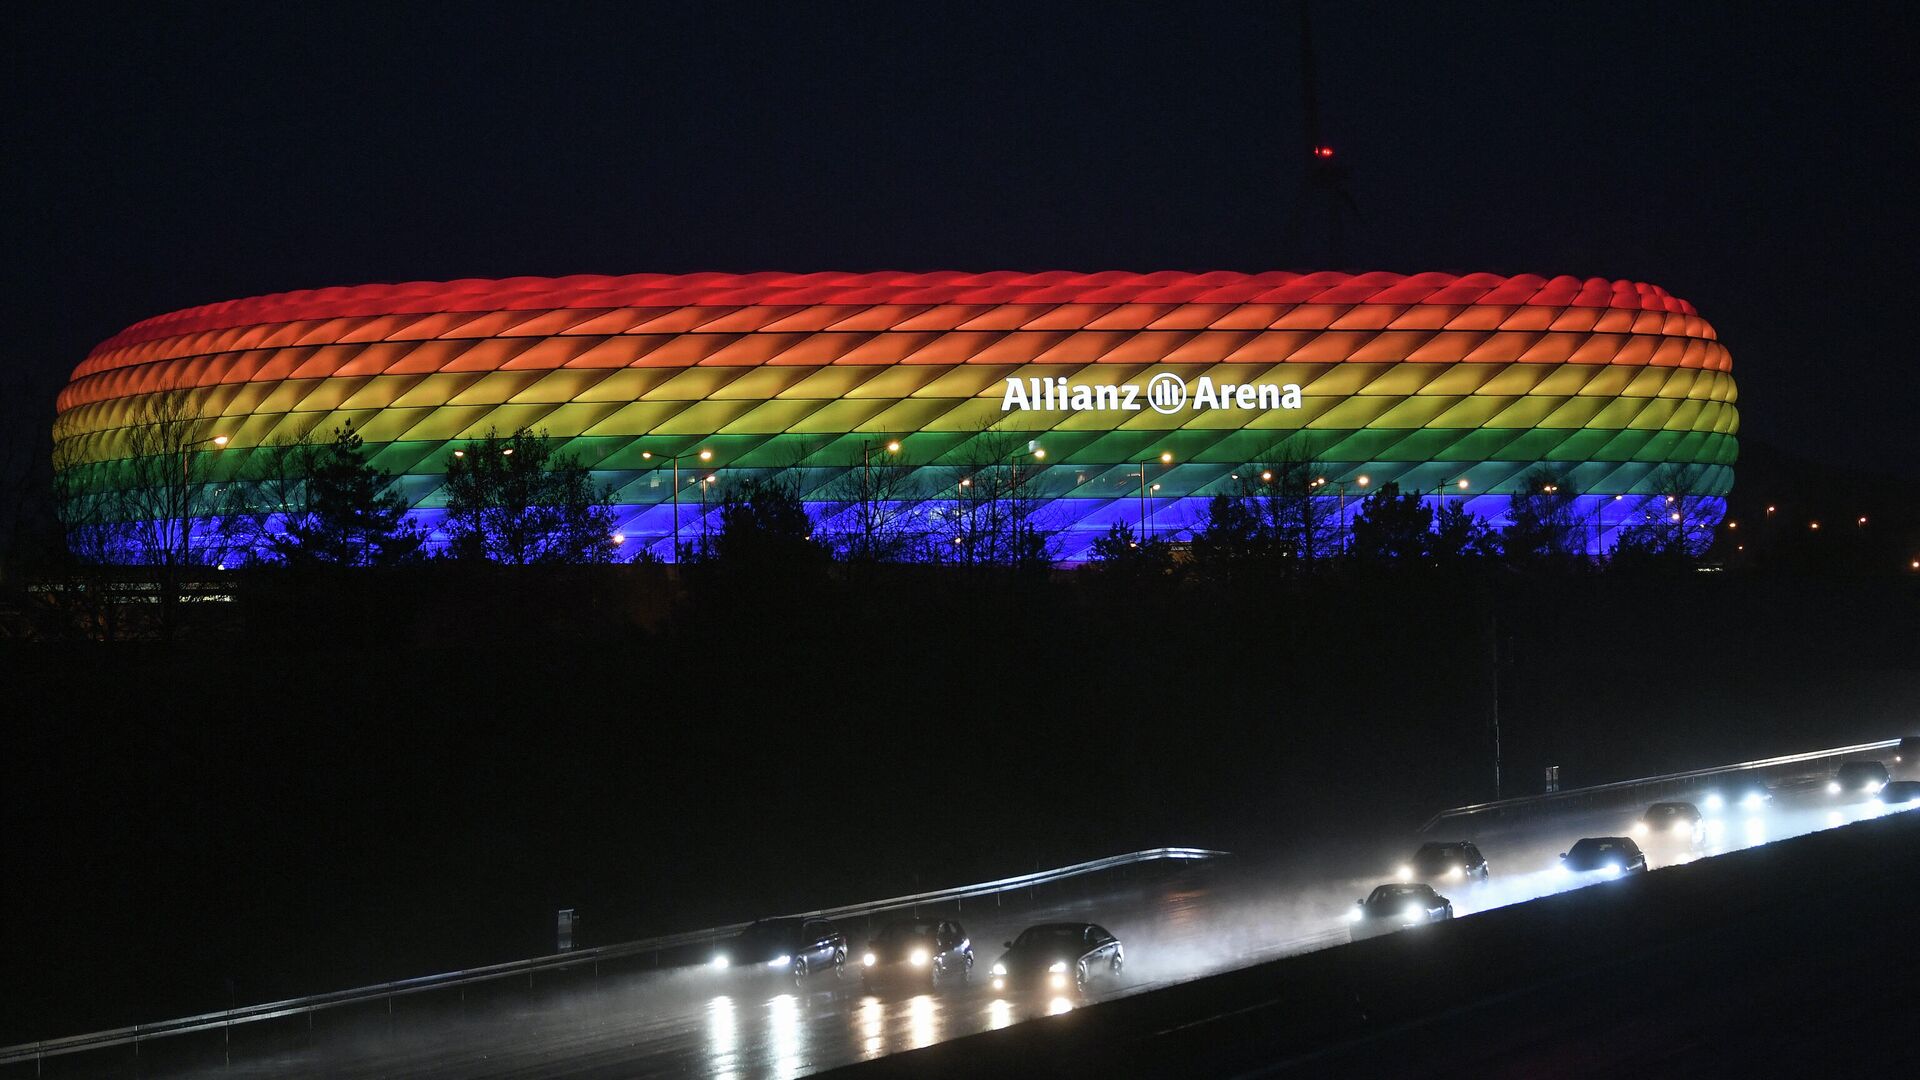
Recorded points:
(1456, 387)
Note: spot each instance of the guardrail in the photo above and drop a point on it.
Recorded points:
(1671, 783)
(227, 1018)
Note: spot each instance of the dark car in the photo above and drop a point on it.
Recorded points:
(1606, 855)
(1455, 860)
(1672, 822)
(923, 952)
(789, 948)
(1059, 957)
(1389, 908)
(1741, 792)
(1900, 794)
(1858, 780)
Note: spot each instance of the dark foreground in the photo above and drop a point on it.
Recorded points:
(1793, 959)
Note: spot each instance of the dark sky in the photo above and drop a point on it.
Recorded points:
(1758, 162)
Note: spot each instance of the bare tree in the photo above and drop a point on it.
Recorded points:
(1675, 523)
(1287, 513)
(1542, 526)
(163, 506)
(991, 503)
(876, 510)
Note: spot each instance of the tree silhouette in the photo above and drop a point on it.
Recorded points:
(1542, 529)
(1120, 554)
(1460, 537)
(343, 511)
(514, 500)
(764, 526)
(1392, 527)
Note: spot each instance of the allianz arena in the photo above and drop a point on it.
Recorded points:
(1122, 395)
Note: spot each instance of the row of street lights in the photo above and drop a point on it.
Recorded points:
(892, 446)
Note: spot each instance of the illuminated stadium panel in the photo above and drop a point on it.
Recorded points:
(1424, 379)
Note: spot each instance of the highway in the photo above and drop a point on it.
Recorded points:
(1176, 926)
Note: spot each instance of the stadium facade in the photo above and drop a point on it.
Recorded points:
(1115, 396)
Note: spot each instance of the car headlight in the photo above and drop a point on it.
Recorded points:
(918, 958)
(869, 959)
(780, 961)
(1833, 787)
(1754, 800)
(1639, 828)
(1406, 873)
(1057, 980)
(1874, 785)
(1057, 966)
(1610, 869)
(1355, 915)
(999, 969)
(1715, 802)
(1455, 873)
(720, 960)
(1411, 913)
(1682, 828)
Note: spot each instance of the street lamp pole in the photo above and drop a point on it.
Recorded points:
(186, 453)
(1146, 512)
(1341, 487)
(866, 490)
(704, 455)
(1037, 453)
(186, 481)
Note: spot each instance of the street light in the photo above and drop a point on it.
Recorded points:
(186, 453)
(1441, 490)
(866, 489)
(1341, 486)
(1146, 512)
(186, 480)
(704, 455)
(1038, 453)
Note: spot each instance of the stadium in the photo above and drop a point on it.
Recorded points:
(1095, 398)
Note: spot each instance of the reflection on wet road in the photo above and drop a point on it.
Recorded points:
(700, 1021)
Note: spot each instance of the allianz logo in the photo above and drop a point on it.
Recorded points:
(1165, 393)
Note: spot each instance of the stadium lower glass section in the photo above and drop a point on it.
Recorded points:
(1459, 388)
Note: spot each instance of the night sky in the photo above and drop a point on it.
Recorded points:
(1757, 162)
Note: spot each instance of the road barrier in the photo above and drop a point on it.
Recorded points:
(1774, 770)
(226, 1019)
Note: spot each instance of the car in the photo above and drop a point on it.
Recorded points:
(1744, 792)
(1608, 856)
(1455, 860)
(1058, 957)
(789, 948)
(1392, 908)
(1858, 780)
(1899, 795)
(921, 952)
(1670, 822)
